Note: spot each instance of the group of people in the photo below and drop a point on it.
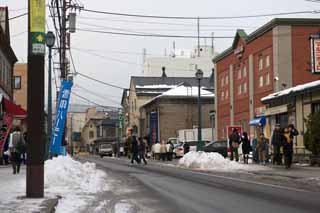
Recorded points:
(15, 149)
(136, 148)
(282, 146)
(163, 151)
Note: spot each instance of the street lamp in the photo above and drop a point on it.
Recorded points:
(199, 76)
(50, 40)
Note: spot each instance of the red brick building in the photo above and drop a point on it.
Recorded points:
(274, 57)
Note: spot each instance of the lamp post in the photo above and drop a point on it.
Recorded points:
(199, 76)
(50, 40)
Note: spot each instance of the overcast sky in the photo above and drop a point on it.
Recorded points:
(101, 64)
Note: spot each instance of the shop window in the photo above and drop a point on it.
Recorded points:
(244, 71)
(17, 82)
(245, 87)
(283, 120)
(268, 79)
(267, 61)
(315, 107)
(261, 81)
(239, 89)
(260, 62)
(91, 134)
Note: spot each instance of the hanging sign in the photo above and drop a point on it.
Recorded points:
(61, 116)
(37, 26)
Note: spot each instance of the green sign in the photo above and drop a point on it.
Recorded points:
(120, 118)
(37, 26)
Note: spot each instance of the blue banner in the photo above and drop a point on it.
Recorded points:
(61, 116)
(154, 127)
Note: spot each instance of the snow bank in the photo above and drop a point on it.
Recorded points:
(76, 182)
(214, 161)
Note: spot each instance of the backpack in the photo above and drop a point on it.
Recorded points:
(18, 142)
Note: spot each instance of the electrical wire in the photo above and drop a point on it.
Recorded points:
(196, 18)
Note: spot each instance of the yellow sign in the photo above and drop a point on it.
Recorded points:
(40, 38)
(37, 16)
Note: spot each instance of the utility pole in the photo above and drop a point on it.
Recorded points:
(36, 139)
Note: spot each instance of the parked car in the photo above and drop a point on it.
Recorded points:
(179, 149)
(105, 150)
(220, 147)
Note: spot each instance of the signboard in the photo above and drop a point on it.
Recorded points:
(59, 125)
(37, 26)
(315, 54)
(120, 118)
(154, 127)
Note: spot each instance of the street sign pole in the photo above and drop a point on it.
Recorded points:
(35, 120)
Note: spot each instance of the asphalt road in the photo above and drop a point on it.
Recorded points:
(179, 190)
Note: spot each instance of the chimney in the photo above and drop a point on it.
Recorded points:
(164, 72)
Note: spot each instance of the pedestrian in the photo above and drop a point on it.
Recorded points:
(163, 151)
(289, 134)
(142, 150)
(276, 141)
(186, 148)
(134, 150)
(234, 141)
(261, 148)
(245, 147)
(255, 155)
(170, 148)
(128, 144)
(17, 147)
(157, 150)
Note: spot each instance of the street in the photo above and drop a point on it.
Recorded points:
(170, 189)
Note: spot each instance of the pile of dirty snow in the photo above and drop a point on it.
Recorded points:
(77, 183)
(214, 161)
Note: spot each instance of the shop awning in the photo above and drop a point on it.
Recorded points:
(261, 121)
(13, 109)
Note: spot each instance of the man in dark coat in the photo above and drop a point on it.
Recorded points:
(135, 150)
(276, 141)
(234, 141)
(246, 147)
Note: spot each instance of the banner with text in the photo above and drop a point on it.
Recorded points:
(61, 117)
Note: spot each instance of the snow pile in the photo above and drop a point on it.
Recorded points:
(213, 161)
(77, 183)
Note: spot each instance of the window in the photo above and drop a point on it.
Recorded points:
(268, 79)
(261, 81)
(17, 82)
(227, 80)
(135, 104)
(227, 94)
(267, 61)
(245, 87)
(222, 95)
(239, 89)
(222, 82)
(260, 63)
(132, 106)
(244, 71)
(91, 134)
(315, 107)
(239, 74)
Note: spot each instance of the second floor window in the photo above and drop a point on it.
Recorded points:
(17, 82)
(267, 61)
(261, 81)
(260, 63)
(91, 134)
(268, 79)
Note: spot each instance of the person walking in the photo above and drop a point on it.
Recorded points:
(261, 148)
(142, 150)
(163, 151)
(135, 150)
(245, 147)
(289, 134)
(234, 141)
(17, 147)
(170, 148)
(276, 142)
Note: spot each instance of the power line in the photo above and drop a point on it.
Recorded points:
(153, 35)
(18, 34)
(195, 18)
(18, 16)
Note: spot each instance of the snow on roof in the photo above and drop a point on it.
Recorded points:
(160, 86)
(184, 91)
(291, 90)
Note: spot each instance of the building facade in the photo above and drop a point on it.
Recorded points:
(273, 58)
(20, 85)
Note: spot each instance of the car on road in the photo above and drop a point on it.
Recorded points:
(220, 147)
(105, 150)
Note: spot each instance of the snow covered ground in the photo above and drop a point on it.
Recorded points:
(215, 162)
(78, 184)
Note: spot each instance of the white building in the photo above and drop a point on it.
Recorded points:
(181, 63)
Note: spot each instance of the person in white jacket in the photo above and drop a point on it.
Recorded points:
(157, 149)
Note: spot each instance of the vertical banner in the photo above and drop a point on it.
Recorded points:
(37, 26)
(154, 127)
(315, 53)
(5, 130)
(61, 116)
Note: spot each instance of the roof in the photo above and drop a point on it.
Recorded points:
(265, 28)
(183, 91)
(315, 85)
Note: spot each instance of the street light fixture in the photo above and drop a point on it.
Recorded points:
(199, 76)
(50, 40)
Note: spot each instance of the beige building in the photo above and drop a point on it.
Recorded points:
(293, 106)
(75, 123)
(143, 89)
(20, 84)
